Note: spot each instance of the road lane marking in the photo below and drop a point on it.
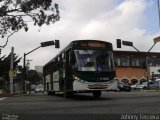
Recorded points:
(2, 98)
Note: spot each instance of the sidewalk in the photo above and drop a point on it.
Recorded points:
(141, 90)
(6, 95)
(152, 90)
(17, 94)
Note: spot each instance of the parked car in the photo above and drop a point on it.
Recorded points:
(154, 85)
(118, 86)
(123, 86)
(157, 80)
(39, 88)
(143, 85)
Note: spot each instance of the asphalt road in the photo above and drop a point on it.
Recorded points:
(83, 106)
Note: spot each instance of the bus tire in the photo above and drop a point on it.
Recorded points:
(96, 94)
(53, 93)
(49, 93)
(68, 94)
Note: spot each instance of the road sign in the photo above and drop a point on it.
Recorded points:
(12, 73)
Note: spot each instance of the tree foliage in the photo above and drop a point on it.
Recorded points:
(34, 77)
(5, 65)
(15, 14)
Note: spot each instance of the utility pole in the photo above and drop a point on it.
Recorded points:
(24, 73)
(43, 44)
(11, 70)
(0, 52)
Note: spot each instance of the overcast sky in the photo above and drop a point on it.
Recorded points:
(131, 20)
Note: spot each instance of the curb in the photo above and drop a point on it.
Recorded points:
(6, 95)
(11, 95)
(145, 90)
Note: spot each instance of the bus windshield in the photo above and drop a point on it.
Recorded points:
(94, 60)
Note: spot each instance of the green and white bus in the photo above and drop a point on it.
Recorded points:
(82, 66)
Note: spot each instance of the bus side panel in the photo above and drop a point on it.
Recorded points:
(51, 78)
(56, 81)
(61, 78)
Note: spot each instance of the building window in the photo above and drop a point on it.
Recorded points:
(124, 62)
(121, 62)
(130, 61)
(141, 61)
(117, 61)
(137, 62)
(157, 62)
(134, 62)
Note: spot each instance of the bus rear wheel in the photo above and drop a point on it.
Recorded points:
(68, 94)
(51, 93)
(96, 94)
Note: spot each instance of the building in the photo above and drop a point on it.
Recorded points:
(131, 67)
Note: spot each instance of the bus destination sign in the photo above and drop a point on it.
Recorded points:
(93, 44)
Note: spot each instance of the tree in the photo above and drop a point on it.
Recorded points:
(16, 14)
(5, 65)
(34, 77)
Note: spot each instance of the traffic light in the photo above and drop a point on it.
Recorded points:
(48, 43)
(118, 43)
(0, 51)
(56, 43)
(127, 43)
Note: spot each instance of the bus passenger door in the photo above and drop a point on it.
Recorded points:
(68, 83)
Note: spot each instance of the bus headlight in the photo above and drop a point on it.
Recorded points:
(78, 79)
(75, 77)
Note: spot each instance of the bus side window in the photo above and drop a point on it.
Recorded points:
(72, 57)
(73, 60)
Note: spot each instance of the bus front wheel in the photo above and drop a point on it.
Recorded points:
(96, 94)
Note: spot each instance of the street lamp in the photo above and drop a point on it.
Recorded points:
(157, 39)
(43, 44)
